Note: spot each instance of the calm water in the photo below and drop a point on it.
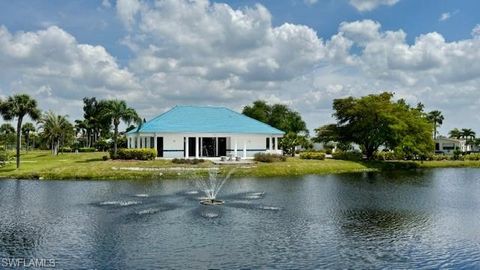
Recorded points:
(426, 219)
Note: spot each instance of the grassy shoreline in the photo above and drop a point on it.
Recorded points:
(91, 166)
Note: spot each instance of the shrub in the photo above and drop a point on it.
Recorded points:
(66, 149)
(312, 155)
(472, 156)
(347, 155)
(439, 157)
(264, 157)
(87, 149)
(4, 157)
(386, 155)
(187, 161)
(457, 155)
(138, 154)
(105, 158)
(328, 151)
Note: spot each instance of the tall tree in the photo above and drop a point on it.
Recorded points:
(7, 132)
(436, 118)
(375, 120)
(117, 111)
(468, 133)
(259, 110)
(27, 128)
(55, 129)
(19, 106)
(455, 133)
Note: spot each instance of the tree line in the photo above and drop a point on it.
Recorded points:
(102, 118)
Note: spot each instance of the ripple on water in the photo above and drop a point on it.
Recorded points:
(119, 203)
(141, 195)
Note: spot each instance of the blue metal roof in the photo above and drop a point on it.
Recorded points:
(198, 119)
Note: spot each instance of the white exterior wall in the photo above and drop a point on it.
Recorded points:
(173, 143)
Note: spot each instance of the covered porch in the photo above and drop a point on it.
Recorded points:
(209, 146)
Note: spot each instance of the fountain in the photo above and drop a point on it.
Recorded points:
(211, 186)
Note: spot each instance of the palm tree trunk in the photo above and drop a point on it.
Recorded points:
(115, 137)
(19, 137)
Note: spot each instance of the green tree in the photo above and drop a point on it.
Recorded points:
(375, 120)
(95, 123)
(281, 117)
(19, 106)
(467, 133)
(436, 118)
(290, 141)
(117, 111)
(455, 133)
(55, 129)
(27, 129)
(7, 132)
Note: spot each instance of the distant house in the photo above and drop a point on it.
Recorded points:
(448, 145)
(204, 131)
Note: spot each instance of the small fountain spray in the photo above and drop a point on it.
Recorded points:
(212, 185)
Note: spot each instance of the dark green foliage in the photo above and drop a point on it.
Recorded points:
(19, 106)
(192, 161)
(137, 154)
(264, 157)
(105, 158)
(277, 115)
(375, 120)
(387, 155)
(312, 155)
(347, 155)
(292, 140)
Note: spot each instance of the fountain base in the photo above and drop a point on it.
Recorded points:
(211, 202)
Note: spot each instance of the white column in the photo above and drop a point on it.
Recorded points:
(216, 146)
(235, 147)
(196, 148)
(186, 147)
(276, 143)
(138, 142)
(155, 141)
(245, 149)
(128, 141)
(271, 143)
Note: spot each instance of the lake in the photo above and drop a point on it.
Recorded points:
(420, 219)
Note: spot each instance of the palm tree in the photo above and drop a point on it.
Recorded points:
(467, 133)
(117, 111)
(436, 118)
(27, 128)
(18, 106)
(455, 133)
(54, 129)
(6, 130)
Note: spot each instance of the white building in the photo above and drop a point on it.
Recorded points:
(199, 132)
(448, 145)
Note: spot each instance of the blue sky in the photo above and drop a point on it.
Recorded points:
(300, 52)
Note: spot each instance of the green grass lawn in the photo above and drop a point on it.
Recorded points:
(41, 164)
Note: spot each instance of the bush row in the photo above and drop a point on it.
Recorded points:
(264, 157)
(347, 155)
(137, 154)
(312, 155)
(187, 161)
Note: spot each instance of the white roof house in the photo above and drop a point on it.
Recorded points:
(448, 145)
(204, 131)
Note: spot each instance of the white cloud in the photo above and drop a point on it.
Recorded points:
(476, 32)
(51, 64)
(368, 5)
(445, 16)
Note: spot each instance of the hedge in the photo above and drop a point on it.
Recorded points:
(312, 155)
(472, 156)
(348, 155)
(138, 154)
(264, 157)
(187, 161)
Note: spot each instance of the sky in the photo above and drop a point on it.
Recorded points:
(303, 53)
